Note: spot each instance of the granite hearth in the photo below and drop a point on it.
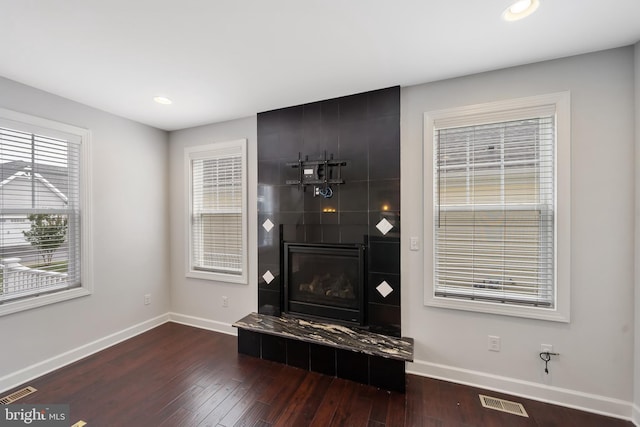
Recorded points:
(345, 352)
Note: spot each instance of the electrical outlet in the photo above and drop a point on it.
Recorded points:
(493, 343)
(225, 302)
(414, 244)
(147, 299)
(544, 348)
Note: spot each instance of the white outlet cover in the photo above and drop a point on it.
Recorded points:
(414, 244)
(494, 343)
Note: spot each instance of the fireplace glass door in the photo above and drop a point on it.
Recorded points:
(325, 281)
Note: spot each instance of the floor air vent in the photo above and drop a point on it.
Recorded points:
(19, 394)
(503, 405)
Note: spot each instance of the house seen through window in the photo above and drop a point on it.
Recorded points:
(39, 214)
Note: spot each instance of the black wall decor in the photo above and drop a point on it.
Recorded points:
(363, 132)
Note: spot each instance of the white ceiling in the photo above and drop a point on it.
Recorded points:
(224, 59)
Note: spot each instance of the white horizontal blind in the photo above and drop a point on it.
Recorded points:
(494, 210)
(39, 213)
(216, 223)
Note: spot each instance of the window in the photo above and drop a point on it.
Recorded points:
(497, 207)
(216, 177)
(44, 212)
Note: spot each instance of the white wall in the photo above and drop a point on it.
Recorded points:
(130, 242)
(199, 302)
(637, 254)
(595, 367)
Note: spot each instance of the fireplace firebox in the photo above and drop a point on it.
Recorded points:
(325, 281)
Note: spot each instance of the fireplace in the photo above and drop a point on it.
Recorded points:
(325, 281)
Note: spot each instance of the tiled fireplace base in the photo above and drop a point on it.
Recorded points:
(335, 350)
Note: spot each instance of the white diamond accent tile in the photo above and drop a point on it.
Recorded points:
(384, 288)
(384, 226)
(267, 225)
(268, 277)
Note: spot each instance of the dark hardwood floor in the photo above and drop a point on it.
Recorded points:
(176, 375)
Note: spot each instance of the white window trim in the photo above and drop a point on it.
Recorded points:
(48, 127)
(200, 152)
(561, 102)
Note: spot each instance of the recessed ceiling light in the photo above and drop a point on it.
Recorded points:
(162, 100)
(520, 9)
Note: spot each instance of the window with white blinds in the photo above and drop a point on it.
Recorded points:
(40, 209)
(494, 204)
(494, 211)
(217, 211)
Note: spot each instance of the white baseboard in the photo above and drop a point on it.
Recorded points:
(202, 323)
(41, 368)
(555, 395)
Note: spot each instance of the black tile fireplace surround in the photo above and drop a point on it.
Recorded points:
(363, 131)
(329, 178)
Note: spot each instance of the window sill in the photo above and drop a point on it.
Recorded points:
(41, 300)
(539, 313)
(217, 277)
